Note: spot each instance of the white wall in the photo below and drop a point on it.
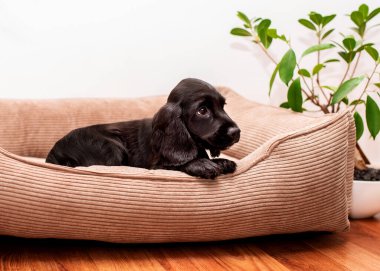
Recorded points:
(83, 48)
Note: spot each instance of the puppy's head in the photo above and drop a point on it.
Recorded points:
(194, 117)
(204, 116)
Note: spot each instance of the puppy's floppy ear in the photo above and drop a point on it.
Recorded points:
(171, 140)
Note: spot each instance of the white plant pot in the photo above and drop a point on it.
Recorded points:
(365, 199)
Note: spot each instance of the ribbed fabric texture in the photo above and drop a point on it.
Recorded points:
(294, 174)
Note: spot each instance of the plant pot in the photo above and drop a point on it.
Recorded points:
(365, 199)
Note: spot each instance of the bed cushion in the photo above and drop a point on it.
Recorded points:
(294, 174)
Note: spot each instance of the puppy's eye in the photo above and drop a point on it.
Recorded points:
(203, 111)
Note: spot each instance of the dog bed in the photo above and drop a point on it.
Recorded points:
(294, 174)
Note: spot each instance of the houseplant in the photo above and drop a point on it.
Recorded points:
(306, 88)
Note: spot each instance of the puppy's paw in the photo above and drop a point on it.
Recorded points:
(203, 168)
(210, 170)
(226, 166)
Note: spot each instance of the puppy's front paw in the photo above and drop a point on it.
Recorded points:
(226, 166)
(203, 168)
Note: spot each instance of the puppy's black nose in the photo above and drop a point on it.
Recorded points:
(234, 133)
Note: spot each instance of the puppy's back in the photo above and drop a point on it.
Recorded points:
(114, 144)
(87, 146)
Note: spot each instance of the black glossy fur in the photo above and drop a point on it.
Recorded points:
(192, 120)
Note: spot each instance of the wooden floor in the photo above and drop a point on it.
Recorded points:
(356, 250)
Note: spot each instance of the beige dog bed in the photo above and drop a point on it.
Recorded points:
(294, 174)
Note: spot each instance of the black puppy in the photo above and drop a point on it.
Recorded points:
(192, 120)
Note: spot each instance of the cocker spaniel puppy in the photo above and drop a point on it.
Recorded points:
(192, 121)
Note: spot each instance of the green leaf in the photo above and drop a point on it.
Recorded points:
(377, 84)
(349, 44)
(272, 79)
(347, 56)
(361, 30)
(295, 96)
(331, 60)
(315, 17)
(240, 32)
(267, 42)
(304, 72)
(285, 105)
(344, 55)
(362, 47)
(372, 114)
(346, 88)
(264, 25)
(327, 19)
(244, 18)
(271, 32)
(287, 66)
(262, 32)
(317, 68)
(282, 37)
(364, 10)
(307, 24)
(357, 18)
(359, 125)
(327, 33)
(316, 48)
(333, 89)
(372, 52)
(357, 101)
(345, 100)
(373, 14)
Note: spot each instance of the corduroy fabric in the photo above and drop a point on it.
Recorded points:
(294, 174)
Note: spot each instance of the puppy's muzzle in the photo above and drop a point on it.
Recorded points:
(234, 134)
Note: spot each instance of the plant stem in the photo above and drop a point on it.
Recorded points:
(356, 65)
(310, 97)
(318, 62)
(316, 102)
(358, 58)
(267, 53)
(324, 94)
(365, 158)
(338, 107)
(366, 86)
(330, 99)
(345, 74)
(319, 52)
(329, 103)
(304, 80)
